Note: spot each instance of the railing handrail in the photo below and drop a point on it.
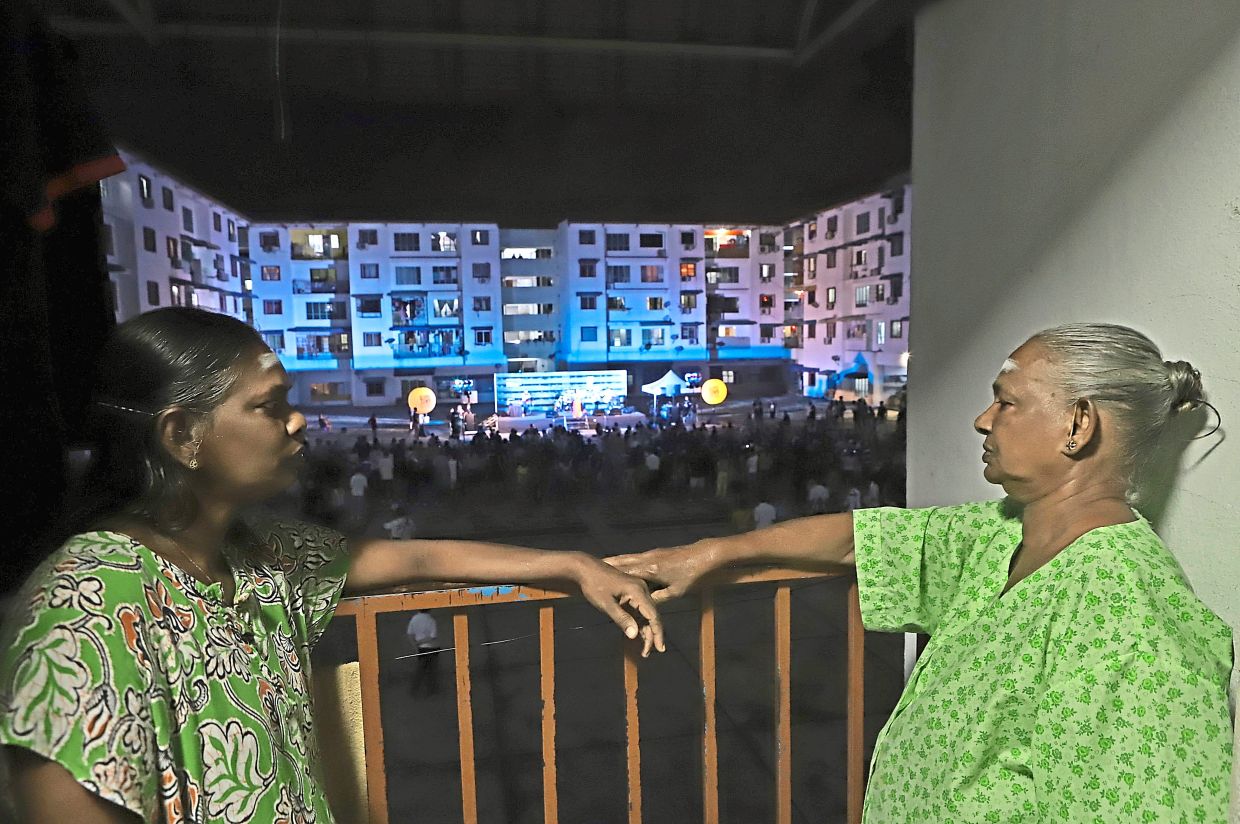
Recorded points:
(365, 608)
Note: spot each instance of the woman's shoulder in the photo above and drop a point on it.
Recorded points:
(98, 552)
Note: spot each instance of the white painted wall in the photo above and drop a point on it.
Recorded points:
(1079, 161)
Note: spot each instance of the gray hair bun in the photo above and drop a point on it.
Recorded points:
(1186, 391)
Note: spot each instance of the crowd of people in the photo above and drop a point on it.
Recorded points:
(765, 468)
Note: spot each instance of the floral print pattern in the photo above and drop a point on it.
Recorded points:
(158, 696)
(1094, 690)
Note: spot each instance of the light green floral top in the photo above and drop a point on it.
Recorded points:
(1094, 690)
(159, 697)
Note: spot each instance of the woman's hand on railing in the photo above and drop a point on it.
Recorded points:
(618, 596)
(672, 571)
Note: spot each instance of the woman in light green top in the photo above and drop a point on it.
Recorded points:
(156, 667)
(1071, 673)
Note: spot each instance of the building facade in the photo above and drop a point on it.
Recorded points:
(531, 276)
(848, 281)
(167, 244)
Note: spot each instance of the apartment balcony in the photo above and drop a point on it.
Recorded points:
(302, 286)
(321, 354)
(354, 711)
(427, 350)
(793, 342)
(303, 251)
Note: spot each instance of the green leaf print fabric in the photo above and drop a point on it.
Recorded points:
(159, 697)
(1094, 690)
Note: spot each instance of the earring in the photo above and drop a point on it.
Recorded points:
(193, 460)
(1071, 444)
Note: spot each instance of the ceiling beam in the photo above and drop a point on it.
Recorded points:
(86, 27)
(807, 51)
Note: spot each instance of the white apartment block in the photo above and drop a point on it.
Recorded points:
(649, 297)
(531, 277)
(365, 312)
(168, 244)
(848, 290)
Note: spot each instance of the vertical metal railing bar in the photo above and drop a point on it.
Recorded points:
(856, 706)
(710, 735)
(546, 664)
(783, 705)
(372, 720)
(465, 719)
(632, 733)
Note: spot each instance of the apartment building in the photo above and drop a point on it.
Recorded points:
(847, 278)
(649, 297)
(531, 278)
(168, 244)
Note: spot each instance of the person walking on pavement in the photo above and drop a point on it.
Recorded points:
(423, 635)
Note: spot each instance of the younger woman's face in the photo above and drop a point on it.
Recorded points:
(252, 446)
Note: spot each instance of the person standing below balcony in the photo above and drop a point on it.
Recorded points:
(1071, 675)
(423, 635)
(157, 666)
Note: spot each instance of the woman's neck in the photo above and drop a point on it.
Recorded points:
(202, 540)
(1057, 519)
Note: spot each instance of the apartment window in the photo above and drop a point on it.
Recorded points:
(811, 297)
(443, 241)
(897, 329)
(655, 304)
(269, 273)
(586, 237)
(723, 274)
(144, 190)
(766, 271)
(859, 257)
(368, 237)
(830, 297)
(654, 337)
(811, 328)
(372, 339)
(766, 304)
(617, 274)
(482, 270)
(879, 292)
(727, 331)
(829, 331)
(329, 391)
(408, 275)
(588, 301)
(273, 307)
(897, 244)
(621, 337)
(168, 202)
(833, 226)
(187, 219)
(727, 376)
(766, 331)
(172, 248)
(811, 230)
(688, 271)
(688, 239)
(217, 222)
(863, 223)
(617, 242)
(482, 337)
(811, 267)
(375, 387)
(688, 301)
(482, 303)
(880, 333)
(370, 271)
(274, 341)
(862, 296)
(148, 239)
(444, 274)
(232, 229)
(589, 334)
(587, 268)
(767, 243)
(650, 240)
(269, 240)
(152, 293)
(615, 304)
(832, 259)
(324, 310)
(480, 237)
(406, 241)
(371, 307)
(689, 332)
(447, 307)
(652, 274)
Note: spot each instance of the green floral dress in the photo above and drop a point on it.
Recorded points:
(1094, 690)
(158, 696)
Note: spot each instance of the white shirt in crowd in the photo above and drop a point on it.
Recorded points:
(817, 497)
(358, 484)
(400, 528)
(763, 515)
(853, 501)
(653, 462)
(422, 632)
(751, 464)
(387, 467)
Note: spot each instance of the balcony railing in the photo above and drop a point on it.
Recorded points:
(320, 354)
(302, 286)
(365, 611)
(429, 350)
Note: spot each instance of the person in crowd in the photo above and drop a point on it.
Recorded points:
(818, 498)
(1071, 674)
(423, 635)
(852, 501)
(156, 667)
(763, 515)
(373, 423)
(401, 526)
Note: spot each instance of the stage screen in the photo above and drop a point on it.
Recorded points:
(540, 393)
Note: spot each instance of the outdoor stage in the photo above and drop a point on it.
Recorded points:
(520, 424)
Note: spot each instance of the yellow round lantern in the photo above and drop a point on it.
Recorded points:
(714, 391)
(421, 400)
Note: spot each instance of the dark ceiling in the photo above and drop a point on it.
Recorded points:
(520, 111)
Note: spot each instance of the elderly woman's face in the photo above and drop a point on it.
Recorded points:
(1026, 426)
(252, 447)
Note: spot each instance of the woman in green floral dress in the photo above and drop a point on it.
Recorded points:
(1071, 675)
(156, 667)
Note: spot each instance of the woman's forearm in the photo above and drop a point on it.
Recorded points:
(487, 563)
(814, 543)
